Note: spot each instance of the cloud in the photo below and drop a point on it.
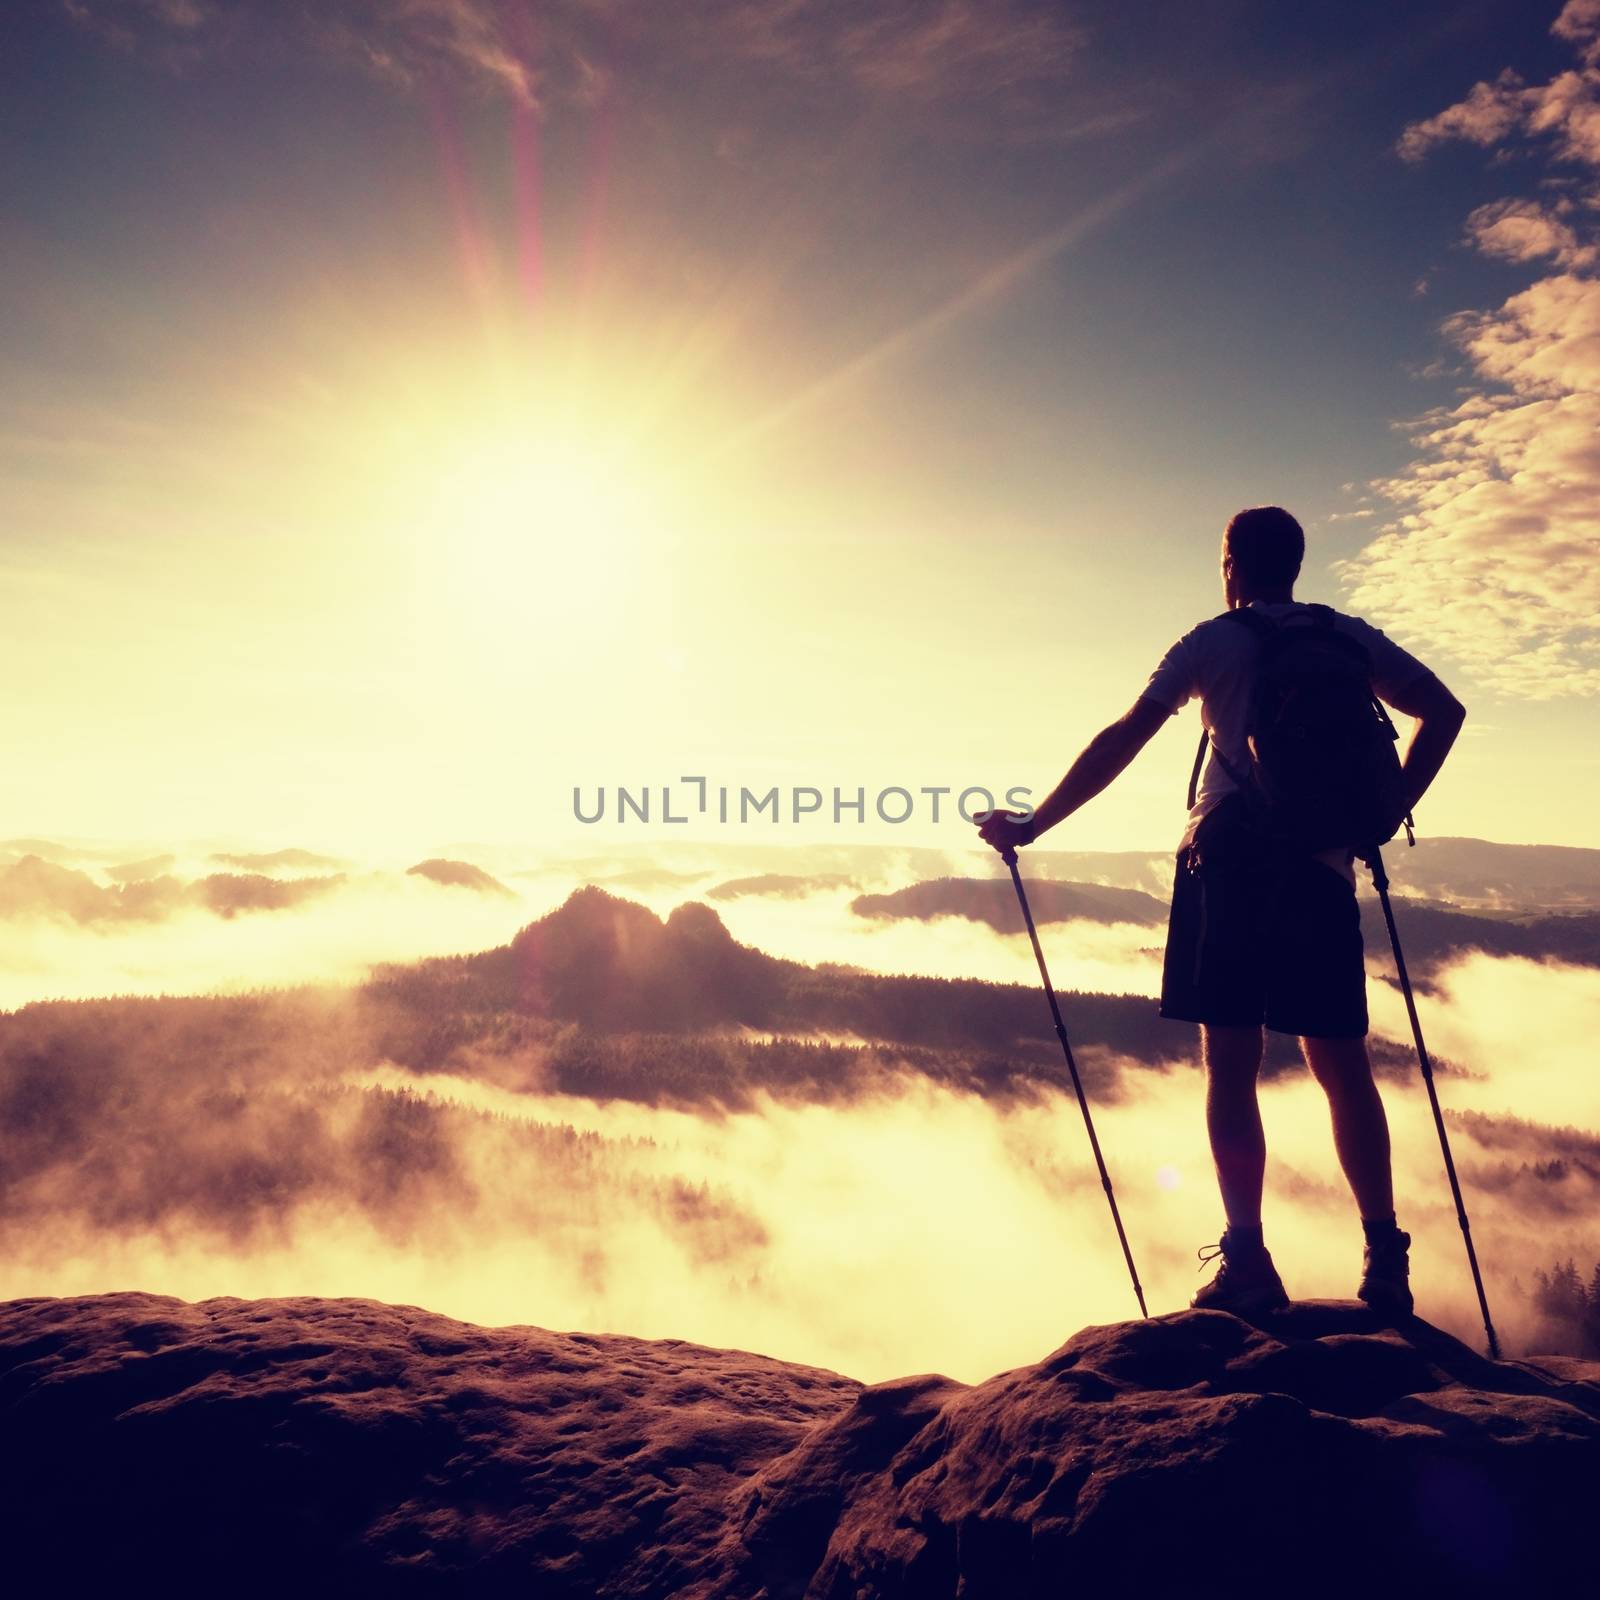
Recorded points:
(1522, 1030)
(1494, 559)
(176, 34)
(993, 52)
(1485, 117)
(1543, 343)
(401, 40)
(120, 19)
(997, 64)
(1525, 230)
(409, 42)
(1565, 111)
(1579, 24)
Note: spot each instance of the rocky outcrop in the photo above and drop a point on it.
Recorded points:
(376, 1446)
(382, 1449)
(611, 963)
(1191, 1454)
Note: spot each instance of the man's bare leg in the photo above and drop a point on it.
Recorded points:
(1233, 1119)
(1360, 1128)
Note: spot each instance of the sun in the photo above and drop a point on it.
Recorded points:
(531, 550)
(532, 506)
(530, 525)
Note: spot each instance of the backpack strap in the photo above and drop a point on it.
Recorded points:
(1199, 761)
(1239, 780)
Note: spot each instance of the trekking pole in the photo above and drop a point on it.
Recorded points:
(1380, 882)
(1010, 859)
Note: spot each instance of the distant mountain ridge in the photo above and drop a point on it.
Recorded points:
(460, 875)
(1478, 874)
(993, 901)
(1469, 874)
(35, 887)
(1430, 932)
(148, 892)
(292, 860)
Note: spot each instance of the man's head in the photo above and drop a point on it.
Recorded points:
(1261, 554)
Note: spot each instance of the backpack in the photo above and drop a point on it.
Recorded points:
(1324, 771)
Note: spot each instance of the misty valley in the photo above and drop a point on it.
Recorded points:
(626, 1121)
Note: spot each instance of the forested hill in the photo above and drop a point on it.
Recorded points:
(615, 967)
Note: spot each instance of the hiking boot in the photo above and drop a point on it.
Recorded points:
(1385, 1271)
(1246, 1279)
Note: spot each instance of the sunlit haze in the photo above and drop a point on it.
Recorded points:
(523, 526)
(404, 429)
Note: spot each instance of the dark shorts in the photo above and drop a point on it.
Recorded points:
(1251, 942)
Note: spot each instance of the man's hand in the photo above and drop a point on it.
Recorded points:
(1006, 830)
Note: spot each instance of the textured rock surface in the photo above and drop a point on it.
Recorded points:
(1191, 1453)
(357, 1441)
(254, 1442)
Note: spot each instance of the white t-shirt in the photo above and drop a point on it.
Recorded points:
(1216, 660)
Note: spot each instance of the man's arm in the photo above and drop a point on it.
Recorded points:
(1439, 717)
(1103, 758)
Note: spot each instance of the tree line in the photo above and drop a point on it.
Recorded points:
(1570, 1309)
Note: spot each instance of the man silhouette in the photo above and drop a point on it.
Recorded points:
(1256, 939)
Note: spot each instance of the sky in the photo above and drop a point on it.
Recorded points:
(413, 412)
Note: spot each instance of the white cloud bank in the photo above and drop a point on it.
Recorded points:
(1495, 556)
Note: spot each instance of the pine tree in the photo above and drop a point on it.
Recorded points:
(1591, 1317)
(1567, 1300)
